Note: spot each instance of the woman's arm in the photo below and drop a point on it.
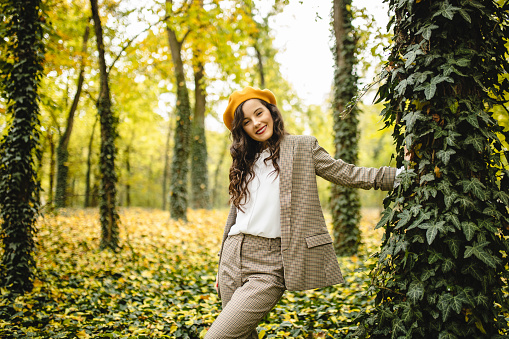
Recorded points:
(341, 173)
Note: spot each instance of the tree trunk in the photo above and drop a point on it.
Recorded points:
(345, 206)
(108, 208)
(19, 148)
(166, 164)
(51, 166)
(442, 269)
(89, 167)
(128, 179)
(222, 156)
(63, 144)
(261, 70)
(180, 167)
(199, 170)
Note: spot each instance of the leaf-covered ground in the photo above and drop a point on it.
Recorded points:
(160, 285)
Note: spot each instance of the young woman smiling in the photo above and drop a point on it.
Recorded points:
(275, 237)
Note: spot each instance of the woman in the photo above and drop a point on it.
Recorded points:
(275, 237)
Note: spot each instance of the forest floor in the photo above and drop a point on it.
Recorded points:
(161, 283)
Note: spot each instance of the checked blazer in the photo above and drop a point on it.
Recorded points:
(309, 259)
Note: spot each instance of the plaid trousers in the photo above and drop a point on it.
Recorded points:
(251, 282)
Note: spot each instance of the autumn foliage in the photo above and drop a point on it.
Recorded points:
(161, 284)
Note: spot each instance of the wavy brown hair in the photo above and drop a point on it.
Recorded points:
(244, 151)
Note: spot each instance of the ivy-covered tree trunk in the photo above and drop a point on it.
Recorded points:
(345, 206)
(108, 208)
(88, 174)
(180, 166)
(63, 143)
(442, 268)
(166, 170)
(20, 75)
(199, 169)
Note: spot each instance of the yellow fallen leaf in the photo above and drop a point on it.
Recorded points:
(82, 334)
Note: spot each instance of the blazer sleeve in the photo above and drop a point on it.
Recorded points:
(341, 173)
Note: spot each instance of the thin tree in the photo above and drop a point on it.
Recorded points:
(108, 121)
(180, 166)
(442, 269)
(345, 206)
(63, 143)
(21, 69)
(87, 202)
(200, 197)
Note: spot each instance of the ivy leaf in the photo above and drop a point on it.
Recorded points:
(387, 216)
(502, 196)
(476, 187)
(427, 177)
(465, 202)
(432, 230)
(469, 229)
(401, 87)
(427, 273)
(415, 209)
(447, 11)
(453, 218)
(401, 245)
(447, 265)
(404, 218)
(422, 216)
(450, 139)
(456, 304)
(449, 199)
(429, 89)
(441, 78)
(421, 77)
(410, 56)
(481, 300)
(465, 15)
(444, 305)
(487, 224)
(445, 156)
(477, 141)
(426, 32)
(411, 117)
(481, 254)
(472, 120)
(406, 178)
(434, 256)
(415, 292)
(454, 246)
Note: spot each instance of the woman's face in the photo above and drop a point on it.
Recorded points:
(257, 123)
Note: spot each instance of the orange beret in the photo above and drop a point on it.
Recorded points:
(238, 97)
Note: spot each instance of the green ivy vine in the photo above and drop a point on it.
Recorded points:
(345, 205)
(443, 265)
(22, 55)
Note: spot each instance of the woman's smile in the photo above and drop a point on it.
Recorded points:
(261, 130)
(257, 122)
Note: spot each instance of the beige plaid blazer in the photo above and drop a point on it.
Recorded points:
(308, 256)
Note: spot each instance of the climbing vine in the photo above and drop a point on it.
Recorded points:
(442, 268)
(345, 206)
(21, 36)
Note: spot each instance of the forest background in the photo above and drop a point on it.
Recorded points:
(143, 92)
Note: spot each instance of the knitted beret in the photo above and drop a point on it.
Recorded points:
(238, 97)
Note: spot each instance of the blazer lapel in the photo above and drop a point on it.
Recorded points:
(285, 189)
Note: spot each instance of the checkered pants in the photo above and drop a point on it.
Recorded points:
(251, 282)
